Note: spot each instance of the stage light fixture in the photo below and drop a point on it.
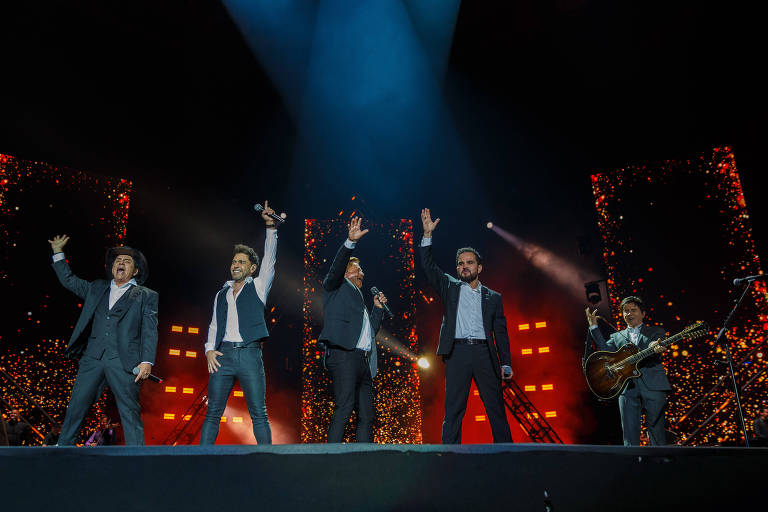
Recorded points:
(593, 292)
(423, 363)
(489, 225)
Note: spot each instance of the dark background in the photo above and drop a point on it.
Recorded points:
(168, 95)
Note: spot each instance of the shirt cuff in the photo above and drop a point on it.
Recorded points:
(58, 257)
(426, 241)
(592, 327)
(349, 244)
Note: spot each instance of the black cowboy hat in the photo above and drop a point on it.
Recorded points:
(138, 258)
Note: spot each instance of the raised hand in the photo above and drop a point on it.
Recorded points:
(591, 316)
(58, 243)
(355, 233)
(427, 223)
(265, 214)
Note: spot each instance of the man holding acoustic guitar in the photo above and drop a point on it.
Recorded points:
(648, 390)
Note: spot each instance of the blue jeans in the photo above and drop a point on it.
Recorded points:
(246, 365)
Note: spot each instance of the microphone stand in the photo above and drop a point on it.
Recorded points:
(721, 336)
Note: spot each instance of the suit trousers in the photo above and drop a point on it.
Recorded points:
(92, 375)
(465, 363)
(352, 390)
(632, 401)
(245, 365)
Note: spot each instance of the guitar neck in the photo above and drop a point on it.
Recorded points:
(636, 358)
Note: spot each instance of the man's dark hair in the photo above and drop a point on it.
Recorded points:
(469, 249)
(248, 251)
(633, 299)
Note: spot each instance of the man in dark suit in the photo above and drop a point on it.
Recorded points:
(348, 334)
(473, 338)
(649, 391)
(122, 338)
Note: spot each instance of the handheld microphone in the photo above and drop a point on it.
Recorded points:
(279, 219)
(739, 280)
(375, 291)
(153, 378)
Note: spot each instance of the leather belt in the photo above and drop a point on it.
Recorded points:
(470, 341)
(239, 344)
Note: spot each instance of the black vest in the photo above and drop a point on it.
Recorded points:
(250, 314)
(103, 340)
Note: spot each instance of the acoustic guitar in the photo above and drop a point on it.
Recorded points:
(608, 373)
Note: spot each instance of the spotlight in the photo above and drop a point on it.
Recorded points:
(423, 363)
(593, 292)
(489, 225)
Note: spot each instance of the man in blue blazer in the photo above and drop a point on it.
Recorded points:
(474, 341)
(349, 333)
(122, 338)
(649, 391)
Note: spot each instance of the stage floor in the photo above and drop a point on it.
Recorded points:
(382, 477)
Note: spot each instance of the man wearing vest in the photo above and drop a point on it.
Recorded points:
(236, 334)
(349, 334)
(474, 341)
(122, 338)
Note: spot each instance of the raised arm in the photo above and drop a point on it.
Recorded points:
(70, 281)
(335, 276)
(435, 274)
(263, 282)
(594, 330)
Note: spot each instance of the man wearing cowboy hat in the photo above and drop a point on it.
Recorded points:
(122, 337)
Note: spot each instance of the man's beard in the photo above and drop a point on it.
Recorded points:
(469, 278)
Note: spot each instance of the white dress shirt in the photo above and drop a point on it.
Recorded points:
(469, 315)
(366, 333)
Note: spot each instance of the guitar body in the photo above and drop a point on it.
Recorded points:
(607, 373)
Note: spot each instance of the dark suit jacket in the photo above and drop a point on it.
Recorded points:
(494, 322)
(343, 306)
(652, 370)
(137, 312)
